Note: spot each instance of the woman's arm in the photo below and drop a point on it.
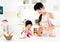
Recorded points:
(51, 15)
(39, 31)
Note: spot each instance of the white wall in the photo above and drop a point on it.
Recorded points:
(11, 9)
(30, 14)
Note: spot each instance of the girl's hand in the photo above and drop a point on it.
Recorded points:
(22, 37)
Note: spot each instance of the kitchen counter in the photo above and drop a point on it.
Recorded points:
(33, 38)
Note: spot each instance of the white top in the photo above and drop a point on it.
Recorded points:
(45, 20)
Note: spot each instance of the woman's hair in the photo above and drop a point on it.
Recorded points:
(28, 22)
(40, 18)
(38, 6)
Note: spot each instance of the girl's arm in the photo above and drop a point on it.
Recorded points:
(23, 35)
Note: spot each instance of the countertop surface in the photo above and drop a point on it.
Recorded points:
(34, 38)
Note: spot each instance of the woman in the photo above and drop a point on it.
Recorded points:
(45, 25)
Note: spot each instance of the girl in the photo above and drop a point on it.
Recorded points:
(27, 32)
(45, 25)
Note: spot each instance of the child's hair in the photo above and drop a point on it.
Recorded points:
(28, 22)
(38, 6)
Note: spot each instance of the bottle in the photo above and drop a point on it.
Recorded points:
(35, 31)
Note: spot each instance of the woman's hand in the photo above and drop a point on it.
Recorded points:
(39, 31)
